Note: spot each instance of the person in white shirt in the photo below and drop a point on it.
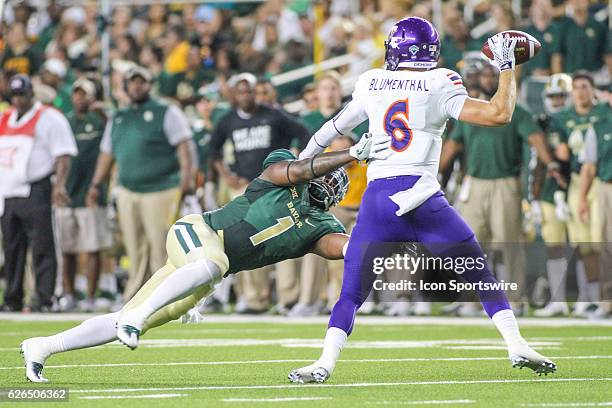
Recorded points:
(35, 142)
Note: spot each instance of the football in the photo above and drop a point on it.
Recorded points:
(526, 48)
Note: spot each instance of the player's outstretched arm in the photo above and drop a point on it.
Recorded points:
(498, 111)
(292, 172)
(331, 246)
(341, 124)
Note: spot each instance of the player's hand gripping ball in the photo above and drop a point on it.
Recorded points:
(525, 49)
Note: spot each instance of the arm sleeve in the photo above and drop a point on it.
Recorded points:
(589, 153)
(106, 144)
(342, 124)
(176, 126)
(58, 134)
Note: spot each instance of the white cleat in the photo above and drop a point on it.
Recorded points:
(128, 335)
(525, 356)
(34, 358)
(553, 309)
(309, 374)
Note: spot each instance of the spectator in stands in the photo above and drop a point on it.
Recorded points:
(83, 229)
(254, 131)
(35, 142)
(277, 24)
(175, 49)
(19, 56)
(150, 141)
(52, 75)
(456, 40)
(582, 42)
(184, 85)
(265, 93)
(597, 162)
(309, 96)
(490, 198)
(328, 91)
(546, 31)
(151, 57)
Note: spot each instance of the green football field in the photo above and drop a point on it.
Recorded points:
(388, 362)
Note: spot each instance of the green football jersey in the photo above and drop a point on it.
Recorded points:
(268, 224)
(570, 128)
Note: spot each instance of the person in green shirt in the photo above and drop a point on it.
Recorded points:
(597, 162)
(281, 215)
(151, 142)
(184, 85)
(571, 124)
(455, 42)
(581, 43)
(83, 229)
(545, 30)
(490, 196)
(329, 94)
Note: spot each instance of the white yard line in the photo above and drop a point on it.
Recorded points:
(287, 399)
(360, 320)
(99, 397)
(350, 385)
(570, 404)
(430, 402)
(317, 343)
(254, 362)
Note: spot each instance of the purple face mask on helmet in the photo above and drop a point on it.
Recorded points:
(413, 43)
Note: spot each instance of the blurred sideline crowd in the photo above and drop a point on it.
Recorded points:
(190, 109)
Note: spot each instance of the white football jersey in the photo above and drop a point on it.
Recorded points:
(410, 106)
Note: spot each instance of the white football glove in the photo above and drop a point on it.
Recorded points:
(361, 149)
(502, 48)
(536, 212)
(562, 210)
(369, 149)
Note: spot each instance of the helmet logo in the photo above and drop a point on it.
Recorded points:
(413, 49)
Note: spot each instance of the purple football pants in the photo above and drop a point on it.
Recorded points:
(434, 222)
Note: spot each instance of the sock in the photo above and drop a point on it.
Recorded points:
(177, 285)
(557, 273)
(335, 339)
(92, 332)
(581, 280)
(593, 291)
(508, 327)
(343, 314)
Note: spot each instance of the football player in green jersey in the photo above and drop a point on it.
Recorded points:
(281, 215)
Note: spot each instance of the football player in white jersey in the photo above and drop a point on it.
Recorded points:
(410, 101)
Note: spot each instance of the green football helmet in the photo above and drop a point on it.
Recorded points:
(328, 190)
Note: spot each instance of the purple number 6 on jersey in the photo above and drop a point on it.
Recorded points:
(396, 125)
